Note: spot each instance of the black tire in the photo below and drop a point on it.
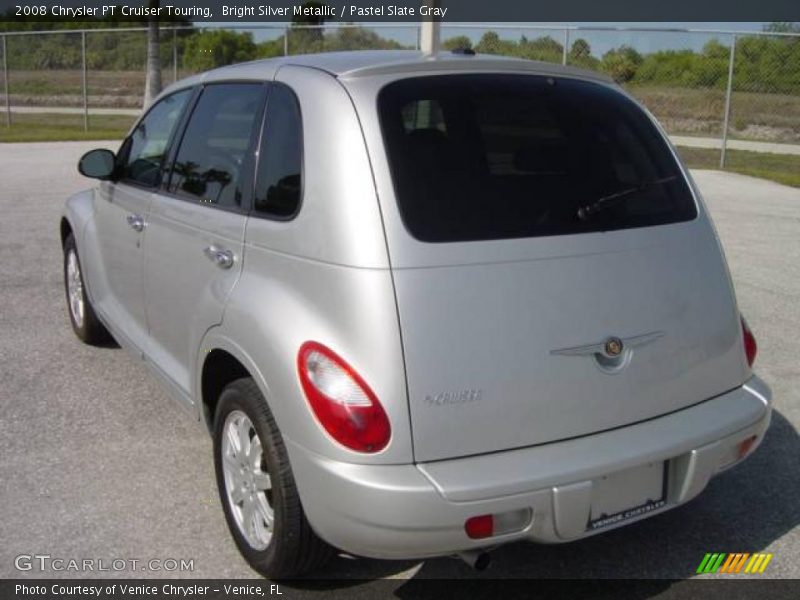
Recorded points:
(294, 548)
(90, 330)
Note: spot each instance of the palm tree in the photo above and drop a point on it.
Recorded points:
(152, 85)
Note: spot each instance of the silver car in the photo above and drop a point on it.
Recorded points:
(425, 305)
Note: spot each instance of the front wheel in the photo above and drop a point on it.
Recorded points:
(84, 321)
(257, 488)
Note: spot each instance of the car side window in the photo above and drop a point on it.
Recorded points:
(214, 156)
(279, 178)
(143, 152)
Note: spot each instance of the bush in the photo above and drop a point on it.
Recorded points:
(763, 64)
(459, 42)
(621, 63)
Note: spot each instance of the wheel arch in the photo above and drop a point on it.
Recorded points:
(78, 210)
(220, 362)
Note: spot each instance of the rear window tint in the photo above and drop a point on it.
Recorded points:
(279, 179)
(482, 157)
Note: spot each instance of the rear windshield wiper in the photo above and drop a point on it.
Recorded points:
(584, 212)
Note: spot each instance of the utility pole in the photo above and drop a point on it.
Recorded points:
(152, 82)
(430, 32)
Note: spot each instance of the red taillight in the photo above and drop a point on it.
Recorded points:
(750, 347)
(342, 402)
(479, 527)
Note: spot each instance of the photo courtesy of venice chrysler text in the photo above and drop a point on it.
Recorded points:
(400, 300)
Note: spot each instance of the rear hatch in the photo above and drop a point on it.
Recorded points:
(554, 275)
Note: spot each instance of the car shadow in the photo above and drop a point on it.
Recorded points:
(109, 344)
(743, 510)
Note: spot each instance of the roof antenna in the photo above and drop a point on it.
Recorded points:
(429, 33)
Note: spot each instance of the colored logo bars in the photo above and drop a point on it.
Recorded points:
(742, 562)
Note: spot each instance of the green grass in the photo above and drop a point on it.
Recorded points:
(782, 168)
(48, 127)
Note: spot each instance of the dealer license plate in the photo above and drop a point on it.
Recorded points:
(628, 494)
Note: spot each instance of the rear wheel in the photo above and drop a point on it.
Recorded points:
(257, 488)
(84, 321)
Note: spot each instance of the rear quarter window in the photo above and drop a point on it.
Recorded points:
(484, 157)
(279, 180)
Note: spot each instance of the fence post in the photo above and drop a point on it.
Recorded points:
(566, 46)
(174, 55)
(728, 93)
(286, 41)
(84, 82)
(5, 80)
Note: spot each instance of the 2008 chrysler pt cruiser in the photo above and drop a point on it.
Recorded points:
(425, 305)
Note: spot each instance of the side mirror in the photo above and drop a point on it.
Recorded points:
(98, 164)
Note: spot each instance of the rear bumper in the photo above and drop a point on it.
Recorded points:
(415, 511)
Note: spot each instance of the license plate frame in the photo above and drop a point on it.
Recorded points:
(647, 486)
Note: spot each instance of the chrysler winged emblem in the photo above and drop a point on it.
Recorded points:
(611, 347)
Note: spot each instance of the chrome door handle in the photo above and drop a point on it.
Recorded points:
(219, 256)
(136, 222)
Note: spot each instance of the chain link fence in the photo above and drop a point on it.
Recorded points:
(709, 89)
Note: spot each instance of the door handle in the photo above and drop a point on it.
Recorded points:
(219, 256)
(136, 222)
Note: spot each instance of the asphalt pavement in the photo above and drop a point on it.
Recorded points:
(98, 463)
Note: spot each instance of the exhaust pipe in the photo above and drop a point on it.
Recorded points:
(477, 559)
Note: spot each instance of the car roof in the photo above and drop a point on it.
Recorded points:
(363, 63)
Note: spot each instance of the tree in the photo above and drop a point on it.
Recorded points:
(358, 38)
(307, 30)
(783, 27)
(489, 43)
(580, 55)
(314, 17)
(621, 63)
(713, 49)
(580, 49)
(544, 48)
(152, 85)
(459, 42)
(213, 48)
(270, 48)
(669, 68)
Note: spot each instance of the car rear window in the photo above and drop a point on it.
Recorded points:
(484, 157)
